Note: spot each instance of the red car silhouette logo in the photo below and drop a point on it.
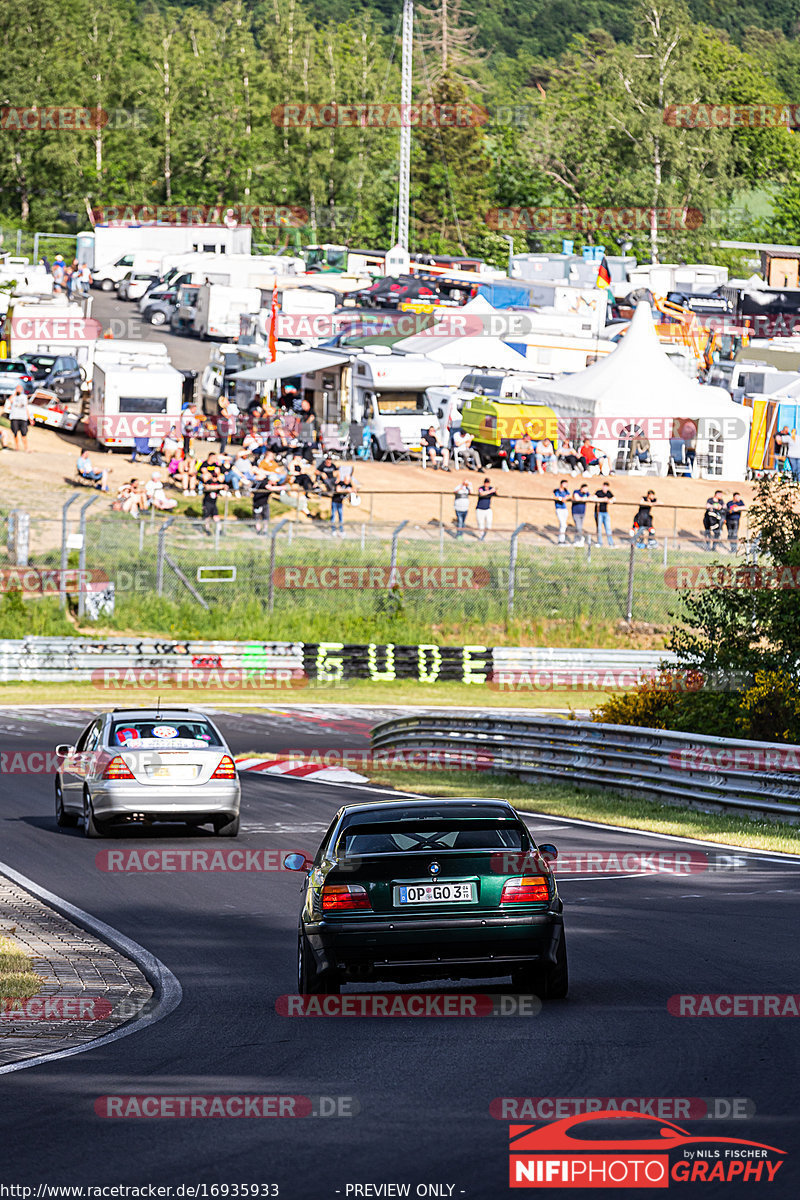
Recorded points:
(568, 1153)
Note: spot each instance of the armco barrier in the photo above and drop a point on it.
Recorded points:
(38, 659)
(690, 770)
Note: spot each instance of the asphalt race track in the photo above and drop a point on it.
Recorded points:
(423, 1087)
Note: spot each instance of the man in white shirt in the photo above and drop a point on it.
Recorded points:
(793, 455)
(18, 411)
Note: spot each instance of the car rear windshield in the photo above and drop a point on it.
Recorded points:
(167, 729)
(405, 838)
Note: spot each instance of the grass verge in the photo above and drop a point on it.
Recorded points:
(565, 800)
(384, 694)
(18, 980)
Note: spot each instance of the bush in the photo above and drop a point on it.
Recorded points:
(770, 710)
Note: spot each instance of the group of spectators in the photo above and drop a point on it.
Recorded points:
(721, 514)
(274, 461)
(73, 278)
(578, 501)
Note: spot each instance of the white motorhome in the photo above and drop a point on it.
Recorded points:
(104, 246)
(218, 309)
(392, 390)
(133, 395)
(239, 271)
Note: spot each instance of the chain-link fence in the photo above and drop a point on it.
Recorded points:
(305, 580)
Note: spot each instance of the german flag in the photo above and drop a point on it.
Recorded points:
(603, 275)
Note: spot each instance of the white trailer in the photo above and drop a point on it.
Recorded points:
(218, 309)
(105, 245)
(133, 397)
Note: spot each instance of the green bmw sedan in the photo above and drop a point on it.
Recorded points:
(406, 891)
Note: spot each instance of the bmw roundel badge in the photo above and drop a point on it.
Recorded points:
(434, 868)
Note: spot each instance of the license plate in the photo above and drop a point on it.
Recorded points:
(435, 893)
(176, 772)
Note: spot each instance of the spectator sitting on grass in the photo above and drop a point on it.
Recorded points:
(132, 498)
(157, 497)
(84, 468)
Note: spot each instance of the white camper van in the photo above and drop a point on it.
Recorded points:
(392, 390)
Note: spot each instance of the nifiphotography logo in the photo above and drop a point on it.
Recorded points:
(587, 1151)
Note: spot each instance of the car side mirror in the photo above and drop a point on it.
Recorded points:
(296, 862)
(440, 413)
(548, 852)
(64, 751)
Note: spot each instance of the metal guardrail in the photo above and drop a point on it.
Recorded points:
(42, 659)
(691, 770)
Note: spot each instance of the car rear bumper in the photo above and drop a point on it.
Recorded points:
(166, 803)
(476, 946)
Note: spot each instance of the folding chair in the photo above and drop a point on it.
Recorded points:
(678, 462)
(396, 451)
(331, 441)
(355, 440)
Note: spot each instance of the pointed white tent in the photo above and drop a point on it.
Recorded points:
(461, 354)
(637, 385)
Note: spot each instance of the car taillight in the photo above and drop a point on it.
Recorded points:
(226, 768)
(118, 769)
(525, 889)
(340, 897)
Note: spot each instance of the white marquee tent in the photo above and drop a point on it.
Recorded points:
(637, 385)
(460, 355)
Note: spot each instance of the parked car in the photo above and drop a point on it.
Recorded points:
(14, 371)
(435, 889)
(134, 285)
(158, 309)
(169, 764)
(58, 373)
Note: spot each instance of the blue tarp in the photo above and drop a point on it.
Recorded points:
(507, 295)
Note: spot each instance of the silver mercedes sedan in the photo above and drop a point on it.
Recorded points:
(142, 764)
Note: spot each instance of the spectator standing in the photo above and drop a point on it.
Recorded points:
(793, 455)
(603, 497)
(643, 521)
(341, 489)
(84, 279)
(733, 513)
(713, 518)
(782, 440)
(483, 507)
(580, 497)
(561, 494)
(462, 492)
(58, 272)
(190, 425)
(212, 481)
(18, 411)
(263, 489)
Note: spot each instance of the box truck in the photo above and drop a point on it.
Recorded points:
(106, 247)
(218, 309)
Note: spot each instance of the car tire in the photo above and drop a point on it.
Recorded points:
(548, 981)
(106, 285)
(91, 828)
(157, 317)
(309, 980)
(229, 829)
(64, 820)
